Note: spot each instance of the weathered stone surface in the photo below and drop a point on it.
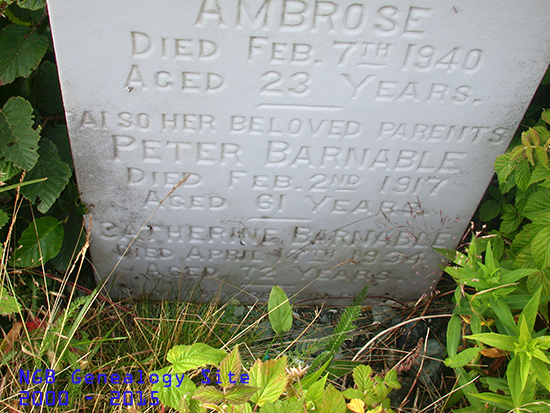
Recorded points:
(233, 145)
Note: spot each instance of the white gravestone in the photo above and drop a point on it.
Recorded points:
(317, 145)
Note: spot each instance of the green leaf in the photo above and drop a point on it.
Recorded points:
(462, 358)
(333, 401)
(502, 402)
(21, 50)
(46, 90)
(500, 341)
(32, 4)
(280, 310)
(504, 167)
(312, 378)
(56, 171)
(523, 174)
(172, 395)
(230, 364)
(454, 334)
(537, 203)
(540, 248)
(74, 239)
(189, 357)
(8, 304)
(510, 219)
(489, 210)
(270, 378)
(454, 256)
(362, 377)
(209, 394)
(239, 394)
(4, 218)
(59, 135)
(541, 371)
(504, 315)
(391, 379)
(316, 390)
(513, 375)
(529, 313)
(18, 139)
(8, 170)
(39, 243)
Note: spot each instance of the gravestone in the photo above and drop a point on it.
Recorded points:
(228, 146)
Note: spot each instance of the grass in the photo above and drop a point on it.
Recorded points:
(65, 327)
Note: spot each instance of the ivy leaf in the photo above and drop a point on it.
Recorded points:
(18, 139)
(32, 4)
(56, 171)
(270, 378)
(280, 310)
(189, 357)
(21, 50)
(39, 243)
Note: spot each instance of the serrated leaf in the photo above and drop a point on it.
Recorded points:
(489, 210)
(32, 4)
(356, 406)
(391, 379)
(540, 173)
(8, 170)
(21, 50)
(46, 90)
(522, 174)
(189, 357)
(362, 377)
(8, 304)
(545, 116)
(503, 167)
(60, 137)
(172, 395)
(56, 171)
(539, 279)
(18, 139)
(510, 219)
(239, 394)
(280, 310)
(353, 394)
(541, 156)
(39, 243)
(333, 401)
(270, 378)
(537, 203)
(230, 365)
(209, 394)
(462, 358)
(540, 248)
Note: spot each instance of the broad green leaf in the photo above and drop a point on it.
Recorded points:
(231, 364)
(316, 390)
(189, 357)
(462, 358)
(59, 135)
(239, 394)
(362, 377)
(540, 173)
(540, 248)
(523, 174)
(270, 378)
(516, 275)
(56, 171)
(8, 304)
(280, 310)
(454, 256)
(333, 401)
(500, 341)
(292, 405)
(489, 210)
(46, 90)
(542, 342)
(314, 376)
(171, 393)
(21, 50)
(503, 167)
(209, 394)
(538, 203)
(511, 219)
(39, 243)
(32, 4)
(541, 371)
(391, 379)
(18, 139)
(8, 170)
(353, 394)
(454, 333)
